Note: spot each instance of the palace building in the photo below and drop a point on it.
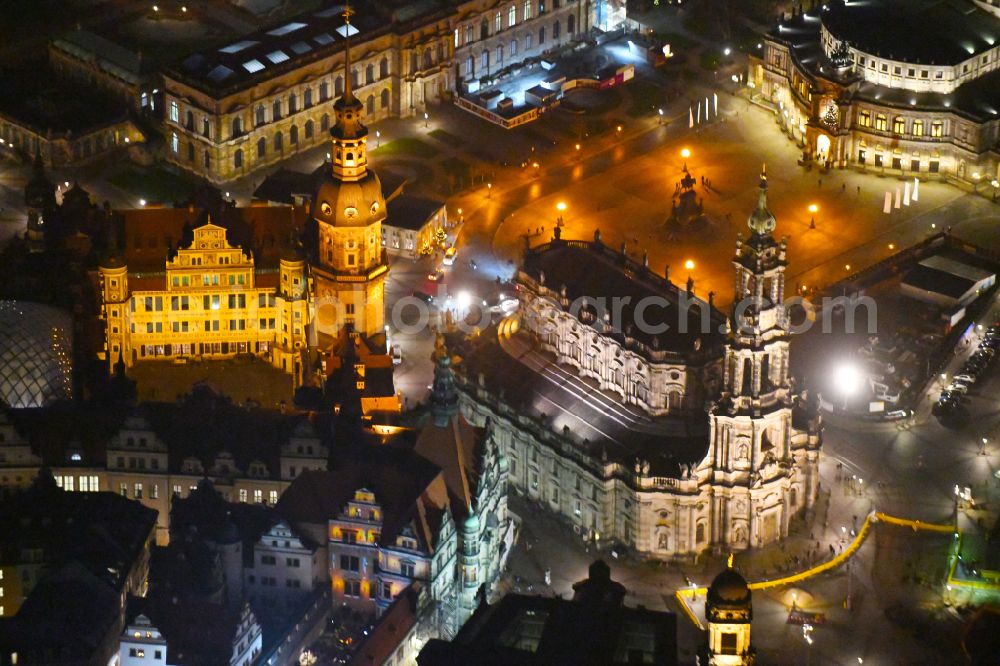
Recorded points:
(267, 280)
(239, 108)
(907, 87)
(674, 443)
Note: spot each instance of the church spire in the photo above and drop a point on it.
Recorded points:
(349, 135)
(444, 394)
(761, 221)
(348, 79)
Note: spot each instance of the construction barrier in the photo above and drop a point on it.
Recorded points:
(874, 517)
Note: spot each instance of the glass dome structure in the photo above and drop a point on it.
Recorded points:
(36, 354)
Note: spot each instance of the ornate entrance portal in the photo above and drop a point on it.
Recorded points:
(822, 148)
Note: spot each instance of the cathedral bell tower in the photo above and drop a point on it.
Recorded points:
(350, 265)
(751, 424)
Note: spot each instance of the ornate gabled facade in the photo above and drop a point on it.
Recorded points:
(674, 484)
(211, 302)
(475, 471)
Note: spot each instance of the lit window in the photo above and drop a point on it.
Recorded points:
(527, 9)
(881, 122)
(175, 143)
(272, 497)
(918, 128)
(175, 113)
(258, 496)
(898, 125)
(937, 128)
(498, 22)
(511, 16)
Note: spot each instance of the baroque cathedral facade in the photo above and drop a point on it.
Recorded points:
(667, 476)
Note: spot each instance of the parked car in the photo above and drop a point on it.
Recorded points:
(964, 379)
(955, 387)
(449, 256)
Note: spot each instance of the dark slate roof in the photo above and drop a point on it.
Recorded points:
(308, 37)
(393, 626)
(457, 448)
(938, 32)
(67, 619)
(593, 271)
(978, 99)
(667, 443)
(283, 185)
(399, 478)
(411, 212)
(936, 281)
(103, 531)
(528, 630)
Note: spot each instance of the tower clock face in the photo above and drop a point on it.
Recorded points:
(325, 207)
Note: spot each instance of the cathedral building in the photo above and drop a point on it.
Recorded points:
(266, 281)
(905, 87)
(723, 466)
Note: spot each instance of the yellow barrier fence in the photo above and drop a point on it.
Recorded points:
(874, 517)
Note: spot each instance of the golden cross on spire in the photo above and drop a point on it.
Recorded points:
(348, 13)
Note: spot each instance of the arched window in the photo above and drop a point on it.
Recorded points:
(324, 91)
(309, 129)
(260, 114)
(278, 142)
(293, 135)
(175, 143)
(383, 68)
(370, 105)
(307, 98)
(570, 25)
(541, 35)
(276, 110)
(440, 52)
(699, 532)
(293, 103)
(484, 60)
(324, 122)
(384, 98)
(369, 74)
(238, 158)
(261, 147)
(427, 59)
(338, 86)
(189, 120)
(484, 29)
(237, 126)
(355, 77)
(555, 30)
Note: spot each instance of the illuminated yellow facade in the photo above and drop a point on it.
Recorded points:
(211, 303)
(349, 208)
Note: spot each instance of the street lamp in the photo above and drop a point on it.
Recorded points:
(561, 207)
(489, 190)
(661, 115)
(378, 138)
(812, 210)
(982, 449)
(847, 380)
(425, 119)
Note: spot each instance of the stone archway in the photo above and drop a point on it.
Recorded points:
(823, 146)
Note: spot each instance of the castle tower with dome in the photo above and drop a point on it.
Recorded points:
(728, 612)
(350, 265)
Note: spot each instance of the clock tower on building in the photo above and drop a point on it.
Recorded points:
(350, 265)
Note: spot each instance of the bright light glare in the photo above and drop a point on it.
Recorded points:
(561, 206)
(847, 379)
(686, 153)
(463, 299)
(689, 264)
(813, 208)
